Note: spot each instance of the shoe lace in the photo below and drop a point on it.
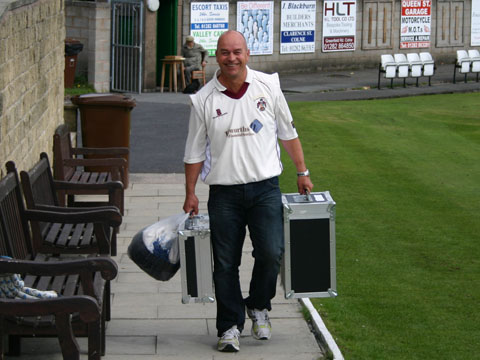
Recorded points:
(261, 317)
(231, 333)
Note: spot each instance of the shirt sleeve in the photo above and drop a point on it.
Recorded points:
(196, 144)
(286, 127)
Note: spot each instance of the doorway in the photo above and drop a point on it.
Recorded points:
(166, 33)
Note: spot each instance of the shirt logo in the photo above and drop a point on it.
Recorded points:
(241, 131)
(256, 126)
(219, 113)
(262, 104)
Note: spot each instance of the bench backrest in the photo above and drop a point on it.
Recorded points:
(473, 53)
(413, 57)
(15, 240)
(38, 184)
(426, 57)
(62, 149)
(462, 55)
(387, 58)
(39, 189)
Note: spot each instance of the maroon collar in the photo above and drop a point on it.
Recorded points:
(238, 94)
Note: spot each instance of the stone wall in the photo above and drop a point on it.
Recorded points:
(90, 23)
(32, 64)
(377, 32)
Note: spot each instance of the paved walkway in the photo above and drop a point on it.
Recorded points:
(149, 320)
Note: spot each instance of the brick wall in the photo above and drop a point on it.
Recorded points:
(89, 22)
(32, 61)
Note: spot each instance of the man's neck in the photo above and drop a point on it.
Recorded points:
(232, 84)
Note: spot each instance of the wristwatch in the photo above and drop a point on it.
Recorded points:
(304, 173)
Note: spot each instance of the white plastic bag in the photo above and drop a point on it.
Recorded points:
(161, 238)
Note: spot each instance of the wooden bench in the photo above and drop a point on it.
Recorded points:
(40, 190)
(82, 282)
(69, 167)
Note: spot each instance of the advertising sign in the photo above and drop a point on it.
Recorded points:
(208, 21)
(415, 24)
(475, 37)
(297, 27)
(255, 22)
(339, 25)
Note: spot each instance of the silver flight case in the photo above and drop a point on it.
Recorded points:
(309, 267)
(196, 264)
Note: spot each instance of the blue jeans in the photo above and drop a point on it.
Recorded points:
(231, 208)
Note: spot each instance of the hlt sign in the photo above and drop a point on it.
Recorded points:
(338, 8)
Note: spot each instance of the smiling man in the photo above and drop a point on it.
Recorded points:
(235, 123)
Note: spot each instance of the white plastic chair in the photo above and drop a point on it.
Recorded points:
(474, 56)
(463, 64)
(388, 67)
(428, 65)
(416, 66)
(402, 66)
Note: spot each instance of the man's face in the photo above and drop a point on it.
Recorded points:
(190, 44)
(232, 55)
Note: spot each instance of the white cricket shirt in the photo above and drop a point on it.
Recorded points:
(237, 138)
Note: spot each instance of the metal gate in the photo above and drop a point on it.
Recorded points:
(127, 38)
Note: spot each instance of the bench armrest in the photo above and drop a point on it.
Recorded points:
(110, 217)
(112, 162)
(105, 265)
(116, 151)
(73, 209)
(87, 306)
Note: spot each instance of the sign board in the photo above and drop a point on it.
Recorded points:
(415, 24)
(297, 27)
(208, 21)
(255, 22)
(475, 37)
(339, 25)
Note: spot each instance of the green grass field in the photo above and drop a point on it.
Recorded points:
(405, 174)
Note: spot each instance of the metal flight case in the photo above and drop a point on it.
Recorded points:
(196, 263)
(309, 266)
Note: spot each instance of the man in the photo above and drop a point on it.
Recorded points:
(232, 142)
(194, 55)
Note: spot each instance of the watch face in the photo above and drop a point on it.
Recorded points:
(153, 5)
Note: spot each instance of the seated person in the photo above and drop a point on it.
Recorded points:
(194, 55)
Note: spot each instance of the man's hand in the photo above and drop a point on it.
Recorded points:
(304, 184)
(191, 204)
(191, 175)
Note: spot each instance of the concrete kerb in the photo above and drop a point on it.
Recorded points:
(321, 329)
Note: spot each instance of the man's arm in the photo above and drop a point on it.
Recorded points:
(191, 176)
(295, 151)
(204, 56)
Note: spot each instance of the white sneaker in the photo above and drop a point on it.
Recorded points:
(229, 341)
(261, 327)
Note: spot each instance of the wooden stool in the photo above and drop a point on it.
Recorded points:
(173, 61)
(199, 74)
